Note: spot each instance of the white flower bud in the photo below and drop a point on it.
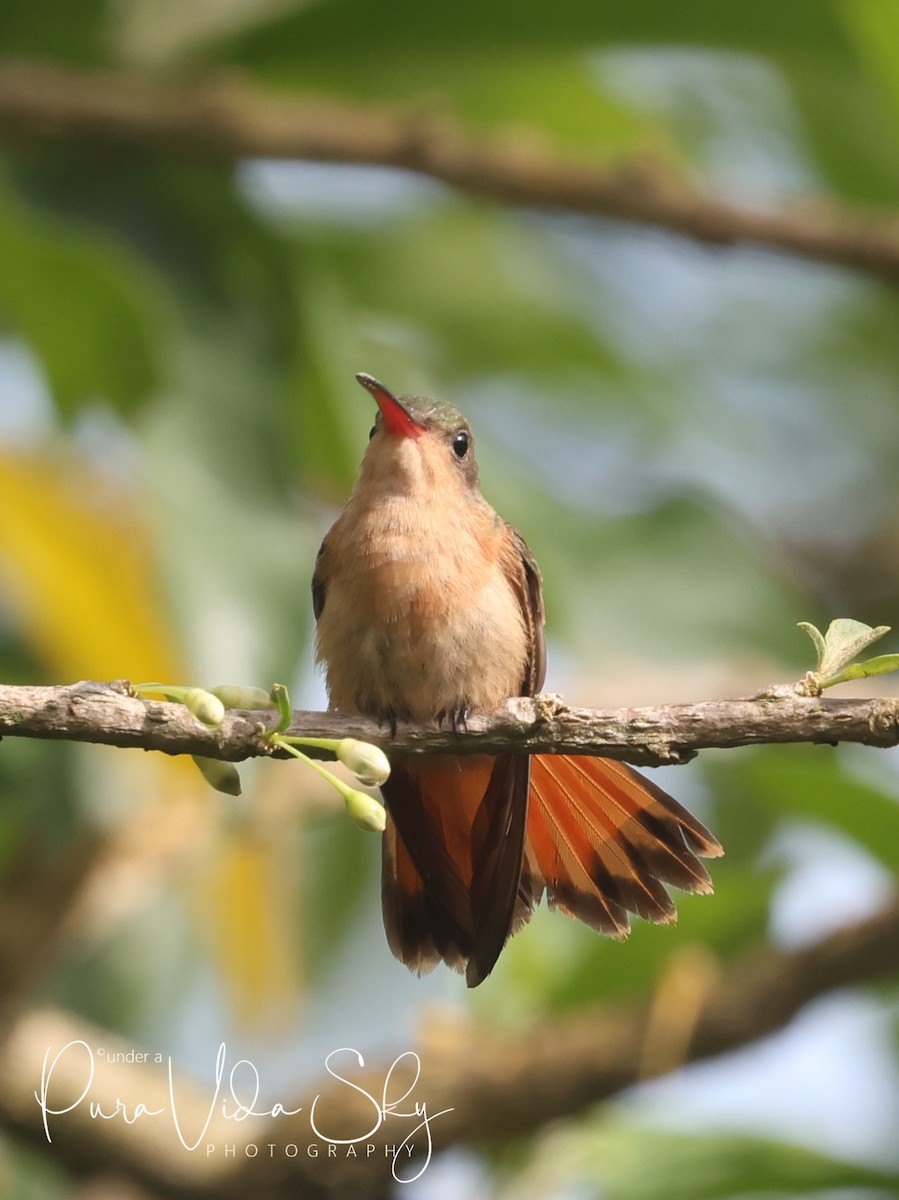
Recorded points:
(208, 709)
(234, 695)
(366, 811)
(223, 776)
(367, 762)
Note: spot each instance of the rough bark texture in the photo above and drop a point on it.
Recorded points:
(653, 736)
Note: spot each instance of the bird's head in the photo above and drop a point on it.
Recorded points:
(418, 446)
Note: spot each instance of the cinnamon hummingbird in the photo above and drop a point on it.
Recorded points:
(429, 608)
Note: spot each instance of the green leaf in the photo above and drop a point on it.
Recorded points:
(351, 38)
(818, 639)
(815, 783)
(88, 307)
(845, 640)
(634, 1162)
(340, 878)
(882, 665)
(509, 97)
(847, 123)
(873, 26)
(562, 965)
(72, 30)
(485, 284)
(280, 698)
(329, 428)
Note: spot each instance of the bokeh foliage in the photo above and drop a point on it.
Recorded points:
(700, 445)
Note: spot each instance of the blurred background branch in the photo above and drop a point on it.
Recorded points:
(230, 118)
(485, 1088)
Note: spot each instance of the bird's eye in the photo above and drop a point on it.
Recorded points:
(372, 432)
(460, 444)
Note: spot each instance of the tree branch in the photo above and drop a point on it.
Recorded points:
(225, 118)
(495, 1086)
(107, 714)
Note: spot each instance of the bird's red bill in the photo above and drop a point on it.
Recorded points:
(396, 417)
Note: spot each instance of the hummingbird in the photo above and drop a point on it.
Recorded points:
(428, 609)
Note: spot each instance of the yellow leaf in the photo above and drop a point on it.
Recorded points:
(78, 582)
(248, 894)
(77, 573)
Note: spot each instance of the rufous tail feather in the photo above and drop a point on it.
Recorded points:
(492, 835)
(603, 841)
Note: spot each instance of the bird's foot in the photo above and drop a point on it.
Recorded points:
(388, 717)
(459, 720)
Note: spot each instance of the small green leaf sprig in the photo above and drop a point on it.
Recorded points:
(844, 641)
(367, 762)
